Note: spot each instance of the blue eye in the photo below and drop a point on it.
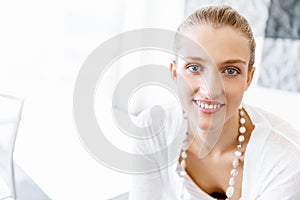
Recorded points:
(194, 68)
(231, 71)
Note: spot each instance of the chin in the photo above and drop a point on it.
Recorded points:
(208, 126)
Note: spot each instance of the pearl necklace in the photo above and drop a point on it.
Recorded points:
(235, 163)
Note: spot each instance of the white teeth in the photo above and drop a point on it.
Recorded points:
(208, 106)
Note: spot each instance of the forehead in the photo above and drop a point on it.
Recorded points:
(216, 44)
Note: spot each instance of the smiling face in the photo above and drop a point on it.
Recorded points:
(212, 81)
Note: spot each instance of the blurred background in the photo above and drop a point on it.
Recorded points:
(44, 43)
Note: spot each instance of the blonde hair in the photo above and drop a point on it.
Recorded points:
(221, 16)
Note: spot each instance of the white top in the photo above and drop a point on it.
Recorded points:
(5, 193)
(10, 114)
(271, 162)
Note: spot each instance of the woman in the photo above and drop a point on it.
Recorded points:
(231, 151)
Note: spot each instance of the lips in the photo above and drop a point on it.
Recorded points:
(208, 106)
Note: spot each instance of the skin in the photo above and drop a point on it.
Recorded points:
(217, 74)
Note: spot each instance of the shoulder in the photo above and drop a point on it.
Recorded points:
(274, 128)
(273, 136)
(274, 153)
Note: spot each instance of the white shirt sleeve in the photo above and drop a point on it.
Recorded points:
(157, 155)
(148, 185)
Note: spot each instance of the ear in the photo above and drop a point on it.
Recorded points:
(173, 70)
(250, 77)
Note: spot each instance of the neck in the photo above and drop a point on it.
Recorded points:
(228, 137)
(217, 141)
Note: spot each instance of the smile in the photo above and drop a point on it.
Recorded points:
(208, 107)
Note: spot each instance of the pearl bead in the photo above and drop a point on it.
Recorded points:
(241, 113)
(183, 164)
(235, 163)
(242, 120)
(241, 138)
(238, 154)
(229, 191)
(242, 130)
(183, 155)
(234, 172)
(231, 181)
(183, 173)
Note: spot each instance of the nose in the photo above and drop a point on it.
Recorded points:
(211, 85)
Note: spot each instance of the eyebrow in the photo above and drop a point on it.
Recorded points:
(232, 61)
(196, 58)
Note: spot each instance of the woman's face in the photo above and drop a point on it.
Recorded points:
(212, 79)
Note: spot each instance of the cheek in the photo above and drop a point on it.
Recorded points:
(184, 88)
(234, 92)
(191, 80)
(185, 84)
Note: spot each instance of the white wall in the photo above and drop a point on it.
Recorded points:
(43, 45)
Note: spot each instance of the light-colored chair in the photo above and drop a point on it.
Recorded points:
(10, 114)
